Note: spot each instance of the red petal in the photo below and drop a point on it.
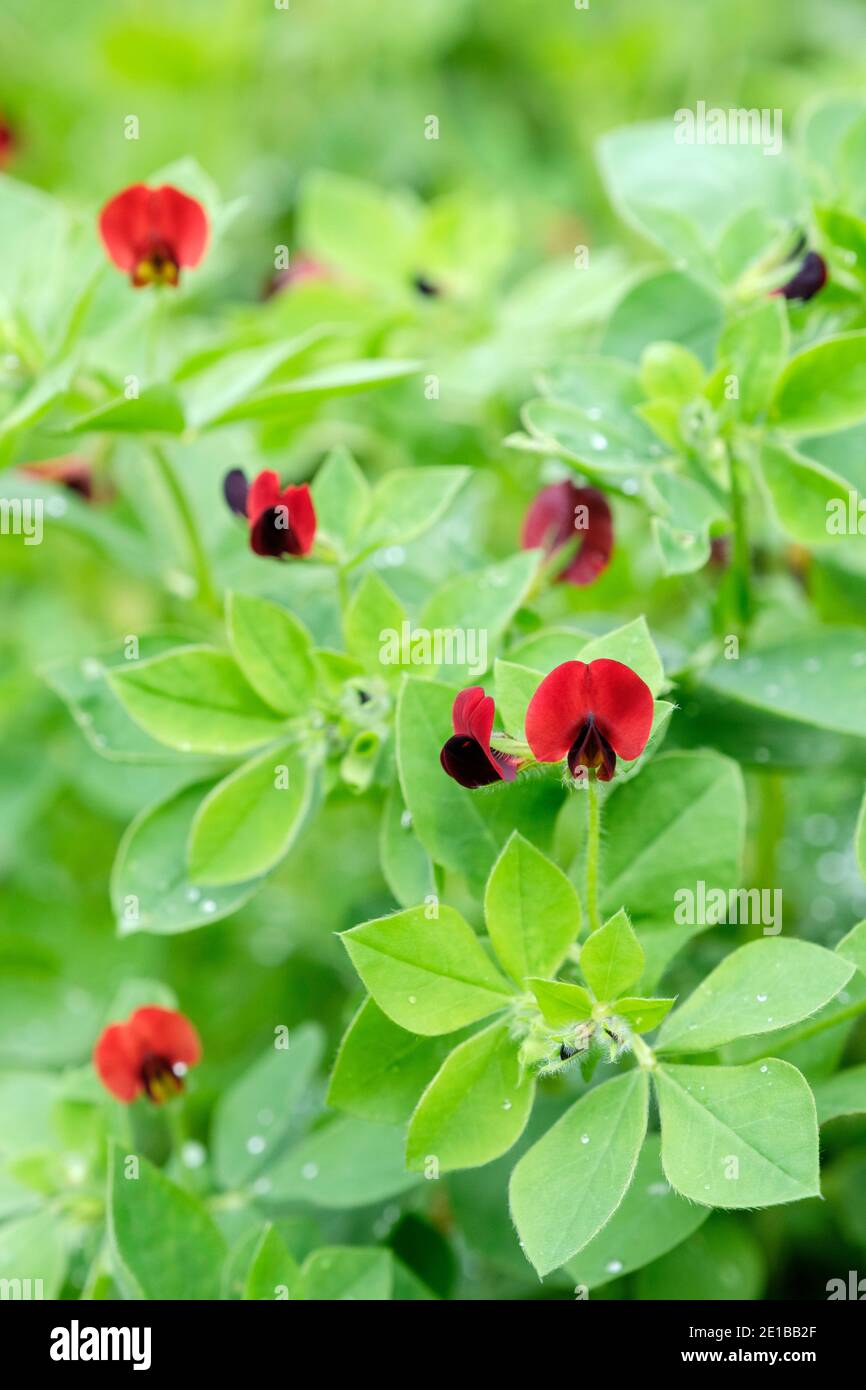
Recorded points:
(182, 224)
(596, 543)
(264, 493)
(166, 1033)
(623, 706)
(552, 520)
(124, 225)
(472, 714)
(302, 517)
(557, 712)
(620, 702)
(117, 1059)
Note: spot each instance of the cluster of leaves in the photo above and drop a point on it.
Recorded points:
(259, 699)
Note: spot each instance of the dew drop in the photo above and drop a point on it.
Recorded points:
(310, 1171)
(208, 906)
(613, 1266)
(406, 820)
(598, 441)
(594, 413)
(584, 1139)
(765, 1068)
(255, 1144)
(193, 895)
(412, 999)
(193, 1154)
(761, 998)
(506, 1105)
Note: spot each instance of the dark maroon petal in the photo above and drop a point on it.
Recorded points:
(271, 533)
(235, 489)
(809, 279)
(465, 760)
(591, 750)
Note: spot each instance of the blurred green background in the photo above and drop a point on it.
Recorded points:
(261, 96)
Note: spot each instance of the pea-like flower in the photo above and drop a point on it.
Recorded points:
(563, 511)
(148, 1055)
(808, 279)
(590, 715)
(467, 756)
(281, 522)
(152, 232)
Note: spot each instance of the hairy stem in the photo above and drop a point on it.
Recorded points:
(198, 555)
(593, 835)
(742, 587)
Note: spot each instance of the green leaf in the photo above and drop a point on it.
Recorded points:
(647, 166)
(853, 946)
(643, 1015)
(273, 651)
(475, 1107)
(150, 887)
(337, 379)
(33, 1255)
(823, 387)
(406, 502)
(805, 494)
(428, 975)
(262, 1105)
(569, 1184)
(668, 304)
(669, 371)
(346, 1163)
(607, 455)
(650, 1220)
(351, 1273)
(163, 1239)
(373, 614)
(405, 863)
(359, 228)
(479, 605)
(341, 496)
(249, 821)
(195, 699)
(776, 705)
(381, 1070)
(764, 985)
(681, 821)
(842, 1094)
(156, 410)
(215, 387)
(532, 911)
(721, 1260)
(561, 1003)
(514, 687)
(738, 1136)
(753, 347)
(83, 687)
(273, 1272)
(611, 958)
(634, 647)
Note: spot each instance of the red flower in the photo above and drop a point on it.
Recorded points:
(558, 513)
(304, 270)
(150, 1052)
(281, 523)
(152, 232)
(590, 715)
(467, 756)
(71, 471)
(808, 280)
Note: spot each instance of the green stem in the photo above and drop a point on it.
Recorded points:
(198, 555)
(593, 836)
(740, 558)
